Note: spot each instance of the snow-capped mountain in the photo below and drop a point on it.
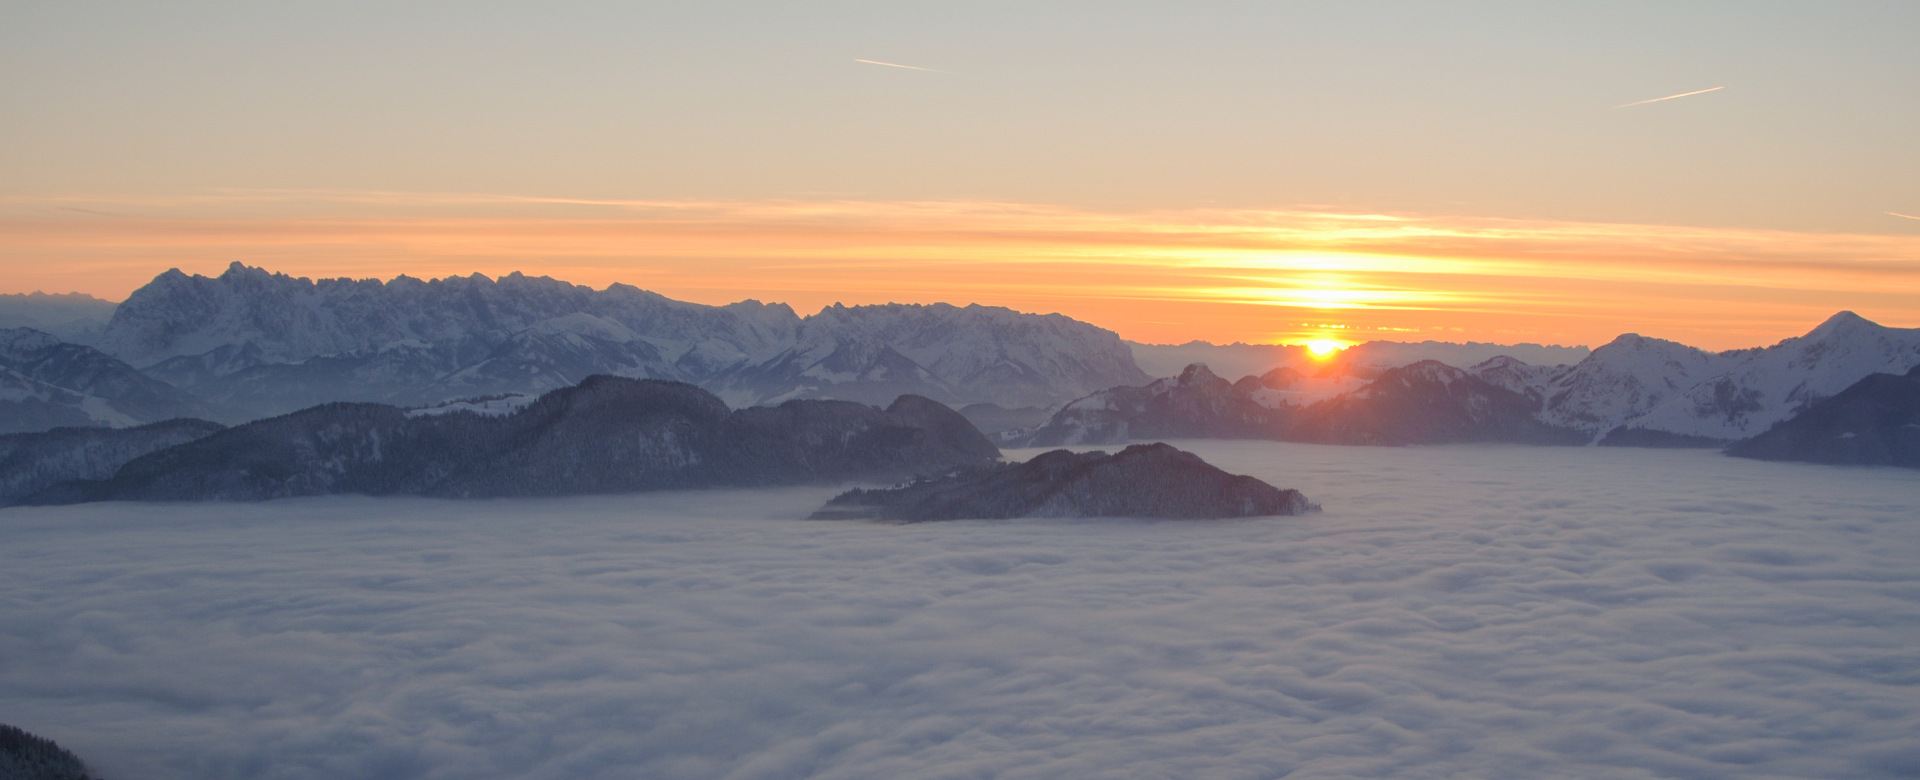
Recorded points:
(1767, 386)
(47, 383)
(288, 319)
(951, 353)
(258, 343)
(1643, 384)
(1621, 381)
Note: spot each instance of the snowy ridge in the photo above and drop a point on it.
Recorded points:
(261, 343)
(1656, 385)
(289, 319)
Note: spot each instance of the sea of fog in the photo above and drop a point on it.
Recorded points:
(1459, 611)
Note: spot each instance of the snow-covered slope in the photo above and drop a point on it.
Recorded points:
(1653, 385)
(46, 383)
(1766, 386)
(956, 354)
(1623, 381)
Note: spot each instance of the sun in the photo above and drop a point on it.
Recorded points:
(1324, 348)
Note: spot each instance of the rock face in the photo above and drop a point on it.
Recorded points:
(1874, 422)
(607, 435)
(260, 343)
(32, 462)
(1144, 480)
(47, 383)
(24, 756)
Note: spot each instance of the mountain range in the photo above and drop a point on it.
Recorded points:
(255, 343)
(47, 383)
(1632, 391)
(250, 344)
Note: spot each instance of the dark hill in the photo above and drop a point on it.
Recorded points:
(1144, 480)
(24, 756)
(31, 462)
(1875, 421)
(605, 435)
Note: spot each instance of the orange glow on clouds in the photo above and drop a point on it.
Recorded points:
(1170, 276)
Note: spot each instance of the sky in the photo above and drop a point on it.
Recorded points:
(1260, 172)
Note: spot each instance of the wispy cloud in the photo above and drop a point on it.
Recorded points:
(1670, 97)
(1907, 216)
(898, 65)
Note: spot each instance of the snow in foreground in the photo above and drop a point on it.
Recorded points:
(1456, 612)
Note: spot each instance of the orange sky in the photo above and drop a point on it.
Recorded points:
(1153, 276)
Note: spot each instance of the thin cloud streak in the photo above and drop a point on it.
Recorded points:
(1670, 97)
(1907, 216)
(897, 65)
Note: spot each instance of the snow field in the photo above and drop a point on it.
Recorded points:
(1460, 611)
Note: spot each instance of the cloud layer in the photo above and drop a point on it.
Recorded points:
(1457, 611)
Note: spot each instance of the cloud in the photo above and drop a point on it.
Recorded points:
(1670, 97)
(897, 65)
(1457, 611)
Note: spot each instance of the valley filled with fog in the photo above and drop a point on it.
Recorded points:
(1456, 611)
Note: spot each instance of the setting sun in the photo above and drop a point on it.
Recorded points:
(1324, 348)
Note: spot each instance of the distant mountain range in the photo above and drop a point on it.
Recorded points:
(1633, 391)
(73, 317)
(1239, 359)
(250, 344)
(255, 343)
(47, 383)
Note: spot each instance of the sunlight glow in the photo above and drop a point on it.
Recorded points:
(1325, 348)
(1155, 276)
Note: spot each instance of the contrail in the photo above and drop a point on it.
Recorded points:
(897, 65)
(1669, 97)
(1898, 214)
